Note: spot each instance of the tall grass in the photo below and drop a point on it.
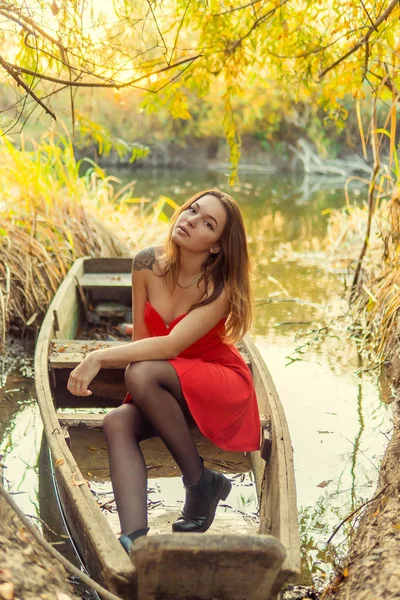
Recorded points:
(373, 233)
(50, 215)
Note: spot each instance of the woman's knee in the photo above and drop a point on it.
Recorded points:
(123, 418)
(138, 378)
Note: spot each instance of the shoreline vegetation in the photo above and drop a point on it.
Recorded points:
(50, 215)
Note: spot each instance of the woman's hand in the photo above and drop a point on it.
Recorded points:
(81, 377)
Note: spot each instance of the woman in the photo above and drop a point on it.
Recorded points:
(191, 302)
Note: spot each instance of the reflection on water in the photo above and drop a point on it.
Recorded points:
(338, 428)
(339, 420)
(21, 429)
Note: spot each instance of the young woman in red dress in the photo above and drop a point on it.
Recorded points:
(191, 303)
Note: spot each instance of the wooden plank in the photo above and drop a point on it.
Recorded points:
(275, 480)
(70, 353)
(110, 310)
(245, 355)
(67, 354)
(98, 545)
(89, 420)
(108, 265)
(105, 280)
(158, 460)
(182, 566)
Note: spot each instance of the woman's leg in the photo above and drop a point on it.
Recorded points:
(124, 427)
(156, 391)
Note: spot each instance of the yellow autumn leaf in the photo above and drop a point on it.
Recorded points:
(59, 462)
(79, 481)
(396, 526)
(345, 572)
(90, 474)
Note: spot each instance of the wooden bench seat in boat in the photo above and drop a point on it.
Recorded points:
(104, 280)
(106, 285)
(67, 354)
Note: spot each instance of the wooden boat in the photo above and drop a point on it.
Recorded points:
(238, 558)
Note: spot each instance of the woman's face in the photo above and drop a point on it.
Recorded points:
(200, 226)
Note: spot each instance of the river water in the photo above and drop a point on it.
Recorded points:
(338, 412)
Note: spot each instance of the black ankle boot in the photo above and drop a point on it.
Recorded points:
(201, 502)
(127, 540)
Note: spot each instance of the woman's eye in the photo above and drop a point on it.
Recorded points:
(192, 209)
(208, 224)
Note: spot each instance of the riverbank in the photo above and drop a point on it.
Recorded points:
(256, 156)
(371, 570)
(27, 570)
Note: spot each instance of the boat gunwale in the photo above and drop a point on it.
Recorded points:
(111, 555)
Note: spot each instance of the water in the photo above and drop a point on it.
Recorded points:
(339, 415)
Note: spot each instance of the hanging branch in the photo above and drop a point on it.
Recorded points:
(113, 84)
(364, 39)
(13, 72)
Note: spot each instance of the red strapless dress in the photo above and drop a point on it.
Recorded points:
(217, 385)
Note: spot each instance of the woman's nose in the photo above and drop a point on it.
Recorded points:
(190, 221)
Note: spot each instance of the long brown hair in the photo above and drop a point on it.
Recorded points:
(230, 268)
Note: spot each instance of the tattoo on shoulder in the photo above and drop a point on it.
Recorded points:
(145, 259)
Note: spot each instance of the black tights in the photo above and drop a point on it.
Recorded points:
(157, 408)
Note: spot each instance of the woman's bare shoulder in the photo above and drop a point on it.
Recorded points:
(148, 258)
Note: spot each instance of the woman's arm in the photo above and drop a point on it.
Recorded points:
(142, 263)
(190, 329)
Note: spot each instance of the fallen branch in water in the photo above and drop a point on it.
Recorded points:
(297, 300)
(354, 512)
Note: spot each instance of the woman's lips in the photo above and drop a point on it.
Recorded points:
(184, 229)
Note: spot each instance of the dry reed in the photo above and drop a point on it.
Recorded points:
(374, 227)
(50, 215)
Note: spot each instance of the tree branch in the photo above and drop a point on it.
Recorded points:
(368, 15)
(11, 70)
(114, 85)
(354, 512)
(315, 50)
(231, 10)
(178, 32)
(387, 82)
(364, 39)
(259, 22)
(159, 31)
(7, 13)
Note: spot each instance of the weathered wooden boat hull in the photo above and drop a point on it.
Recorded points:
(178, 565)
